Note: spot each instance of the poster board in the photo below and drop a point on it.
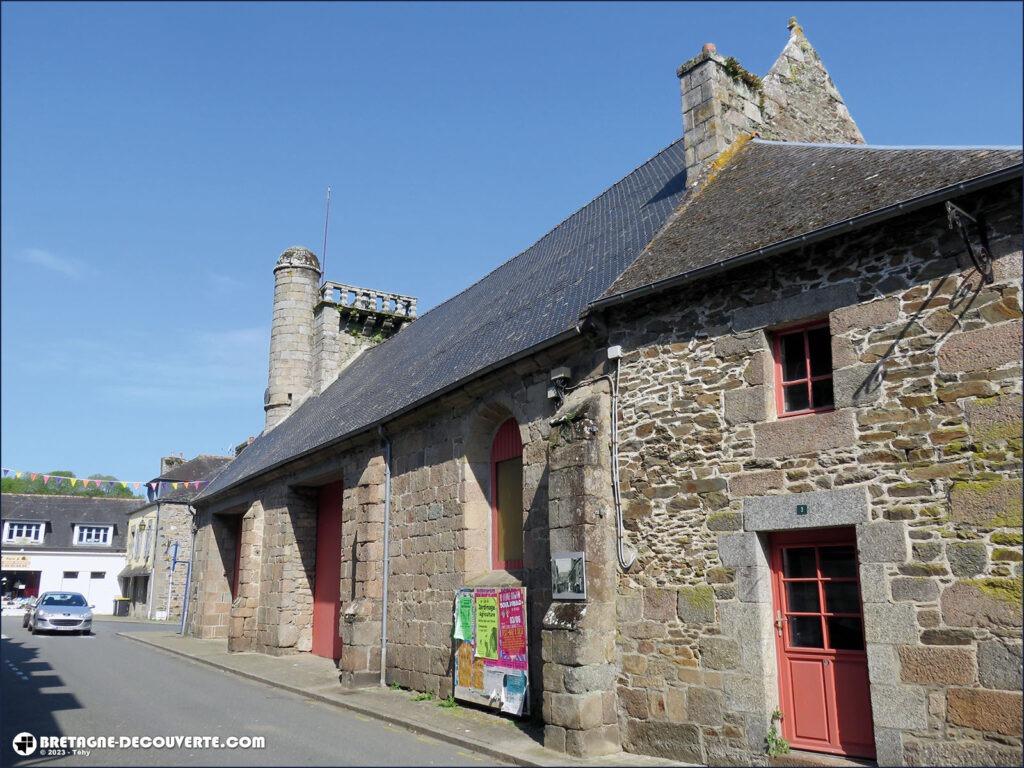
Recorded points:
(490, 648)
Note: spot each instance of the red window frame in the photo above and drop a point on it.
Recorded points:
(808, 379)
(816, 540)
(507, 444)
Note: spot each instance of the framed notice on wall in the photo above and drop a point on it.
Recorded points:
(568, 576)
(491, 649)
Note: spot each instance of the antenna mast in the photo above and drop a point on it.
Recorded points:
(327, 222)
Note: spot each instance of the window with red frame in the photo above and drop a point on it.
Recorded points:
(803, 370)
(507, 498)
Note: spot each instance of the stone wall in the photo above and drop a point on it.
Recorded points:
(441, 516)
(922, 455)
(287, 570)
(440, 540)
(175, 526)
(243, 631)
(800, 102)
(209, 610)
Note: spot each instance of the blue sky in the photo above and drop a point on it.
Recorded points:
(157, 158)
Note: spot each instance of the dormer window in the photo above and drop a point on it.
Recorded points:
(93, 535)
(23, 533)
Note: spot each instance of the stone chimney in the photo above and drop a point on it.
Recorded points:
(167, 463)
(795, 101)
(296, 283)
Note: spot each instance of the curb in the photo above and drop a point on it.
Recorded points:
(461, 741)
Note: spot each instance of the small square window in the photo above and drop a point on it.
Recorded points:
(98, 575)
(70, 574)
(803, 370)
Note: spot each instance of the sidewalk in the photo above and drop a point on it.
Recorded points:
(169, 623)
(502, 738)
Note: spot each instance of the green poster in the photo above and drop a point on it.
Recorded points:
(487, 627)
(464, 618)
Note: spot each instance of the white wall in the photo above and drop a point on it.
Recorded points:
(99, 592)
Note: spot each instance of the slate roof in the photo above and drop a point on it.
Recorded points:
(61, 513)
(202, 467)
(773, 191)
(526, 302)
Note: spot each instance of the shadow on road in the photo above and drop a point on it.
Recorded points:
(29, 703)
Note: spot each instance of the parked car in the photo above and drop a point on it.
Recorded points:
(60, 612)
(27, 608)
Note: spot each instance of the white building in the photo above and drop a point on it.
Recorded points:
(63, 542)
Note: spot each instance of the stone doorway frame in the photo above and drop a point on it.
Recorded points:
(753, 688)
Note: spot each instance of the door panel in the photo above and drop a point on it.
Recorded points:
(327, 578)
(823, 676)
(855, 732)
(810, 717)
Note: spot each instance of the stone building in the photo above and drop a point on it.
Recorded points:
(769, 384)
(159, 540)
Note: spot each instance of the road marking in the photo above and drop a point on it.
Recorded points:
(14, 668)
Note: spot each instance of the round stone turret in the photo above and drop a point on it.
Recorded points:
(296, 292)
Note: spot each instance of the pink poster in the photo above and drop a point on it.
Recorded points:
(511, 628)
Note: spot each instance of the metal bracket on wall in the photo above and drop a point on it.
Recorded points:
(959, 220)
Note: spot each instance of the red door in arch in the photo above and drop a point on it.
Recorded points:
(327, 581)
(819, 640)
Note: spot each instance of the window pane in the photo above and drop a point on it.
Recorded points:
(805, 632)
(822, 393)
(845, 634)
(794, 361)
(802, 596)
(842, 597)
(98, 575)
(838, 562)
(510, 510)
(819, 340)
(798, 563)
(796, 397)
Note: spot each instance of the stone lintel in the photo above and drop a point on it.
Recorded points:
(802, 306)
(825, 509)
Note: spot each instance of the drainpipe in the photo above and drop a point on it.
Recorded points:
(170, 578)
(188, 574)
(626, 554)
(152, 574)
(387, 562)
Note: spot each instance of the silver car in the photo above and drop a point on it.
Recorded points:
(59, 612)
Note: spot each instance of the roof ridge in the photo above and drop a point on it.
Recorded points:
(828, 145)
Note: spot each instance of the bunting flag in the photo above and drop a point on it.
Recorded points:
(157, 486)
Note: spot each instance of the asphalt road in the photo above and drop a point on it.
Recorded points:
(104, 685)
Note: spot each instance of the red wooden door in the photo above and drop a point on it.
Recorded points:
(327, 580)
(236, 566)
(819, 636)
